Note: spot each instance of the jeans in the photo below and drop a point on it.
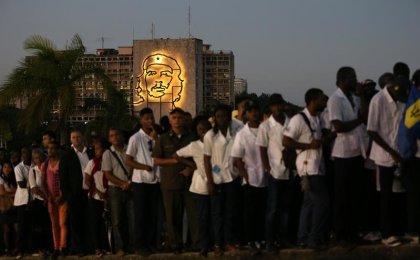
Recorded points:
(314, 213)
(145, 212)
(222, 212)
(121, 205)
(277, 213)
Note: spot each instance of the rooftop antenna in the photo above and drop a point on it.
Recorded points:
(103, 41)
(133, 33)
(189, 20)
(153, 31)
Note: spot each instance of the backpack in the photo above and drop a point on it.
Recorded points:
(289, 155)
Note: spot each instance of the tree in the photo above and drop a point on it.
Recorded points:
(47, 79)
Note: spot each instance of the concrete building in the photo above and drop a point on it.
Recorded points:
(218, 76)
(161, 74)
(240, 86)
(118, 65)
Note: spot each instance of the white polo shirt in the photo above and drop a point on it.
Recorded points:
(83, 159)
(22, 194)
(245, 147)
(270, 135)
(298, 130)
(346, 144)
(219, 148)
(199, 179)
(384, 118)
(140, 147)
(98, 179)
(35, 180)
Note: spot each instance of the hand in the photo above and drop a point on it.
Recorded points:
(246, 178)
(396, 157)
(125, 185)
(102, 195)
(315, 144)
(148, 168)
(359, 90)
(187, 172)
(211, 187)
(154, 134)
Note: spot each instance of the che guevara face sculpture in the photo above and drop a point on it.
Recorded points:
(160, 80)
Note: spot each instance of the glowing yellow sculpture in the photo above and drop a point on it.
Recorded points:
(160, 81)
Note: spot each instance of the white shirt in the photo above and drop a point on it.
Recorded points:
(384, 118)
(22, 194)
(140, 147)
(83, 159)
(245, 147)
(237, 124)
(97, 179)
(199, 179)
(219, 147)
(35, 180)
(299, 131)
(270, 135)
(346, 144)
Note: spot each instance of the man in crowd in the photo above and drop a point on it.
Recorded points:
(75, 190)
(174, 185)
(120, 198)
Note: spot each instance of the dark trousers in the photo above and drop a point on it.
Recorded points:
(223, 203)
(174, 202)
(277, 212)
(145, 212)
(41, 226)
(255, 200)
(314, 214)
(392, 205)
(121, 205)
(202, 203)
(370, 201)
(23, 228)
(77, 223)
(96, 224)
(413, 195)
(346, 199)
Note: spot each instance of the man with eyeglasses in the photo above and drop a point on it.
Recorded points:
(145, 182)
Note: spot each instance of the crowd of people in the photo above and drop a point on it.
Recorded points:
(259, 178)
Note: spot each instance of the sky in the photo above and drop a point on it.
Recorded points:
(284, 46)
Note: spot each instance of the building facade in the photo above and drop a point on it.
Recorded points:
(240, 86)
(218, 76)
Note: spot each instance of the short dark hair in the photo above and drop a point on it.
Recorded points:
(103, 142)
(416, 78)
(343, 73)
(50, 133)
(312, 94)
(113, 128)
(401, 69)
(177, 110)
(76, 130)
(55, 143)
(385, 78)
(242, 97)
(201, 119)
(145, 111)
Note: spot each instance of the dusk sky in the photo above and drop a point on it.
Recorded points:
(284, 46)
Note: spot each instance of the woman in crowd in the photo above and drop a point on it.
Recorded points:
(8, 213)
(97, 183)
(41, 233)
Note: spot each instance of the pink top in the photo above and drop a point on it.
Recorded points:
(53, 179)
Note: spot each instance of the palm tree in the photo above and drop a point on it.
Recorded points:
(47, 79)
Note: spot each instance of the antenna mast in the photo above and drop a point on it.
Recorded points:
(189, 20)
(153, 31)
